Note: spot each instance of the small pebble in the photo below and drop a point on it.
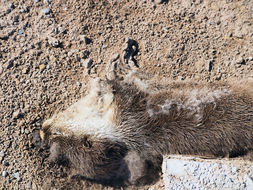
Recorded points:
(42, 67)
(16, 18)
(4, 173)
(160, 1)
(25, 9)
(84, 54)
(27, 131)
(47, 1)
(11, 5)
(87, 63)
(16, 175)
(20, 32)
(240, 61)
(210, 65)
(78, 83)
(165, 29)
(1, 154)
(25, 70)
(5, 163)
(100, 60)
(54, 42)
(46, 11)
(16, 114)
(70, 53)
(10, 64)
(28, 185)
(56, 31)
(85, 39)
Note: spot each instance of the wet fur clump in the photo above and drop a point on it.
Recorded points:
(118, 133)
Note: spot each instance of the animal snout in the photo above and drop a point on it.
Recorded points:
(45, 132)
(42, 135)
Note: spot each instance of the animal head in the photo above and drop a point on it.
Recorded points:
(87, 137)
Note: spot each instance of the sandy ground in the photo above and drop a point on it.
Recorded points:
(49, 49)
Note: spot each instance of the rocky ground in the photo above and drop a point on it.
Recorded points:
(49, 48)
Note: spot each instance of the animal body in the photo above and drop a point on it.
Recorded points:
(120, 129)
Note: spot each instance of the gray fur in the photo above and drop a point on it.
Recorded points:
(163, 121)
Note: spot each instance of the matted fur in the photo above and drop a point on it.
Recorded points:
(120, 123)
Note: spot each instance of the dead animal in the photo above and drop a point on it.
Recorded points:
(121, 128)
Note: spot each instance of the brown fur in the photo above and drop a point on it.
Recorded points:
(220, 126)
(225, 129)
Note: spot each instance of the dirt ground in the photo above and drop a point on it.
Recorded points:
(49, 49)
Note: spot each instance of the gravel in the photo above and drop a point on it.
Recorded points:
(85, 39)
(4, 173)
(10, 64)
(1, 154)
(46, 11)
(17, 176)
(87, 63)
(45, 46)
(42, 67)
(16, 18)
(11, 5)
(54, 42)
(28, 185)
